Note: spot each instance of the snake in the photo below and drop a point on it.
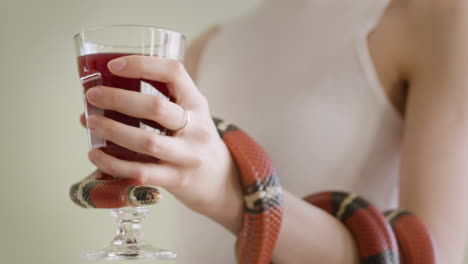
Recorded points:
(391, 237)
(101, 190)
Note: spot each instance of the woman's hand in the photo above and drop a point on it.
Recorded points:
(195, 165)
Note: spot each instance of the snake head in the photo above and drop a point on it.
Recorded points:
(143, 195)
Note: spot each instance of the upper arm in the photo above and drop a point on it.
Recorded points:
(434, 169)
(195, 50)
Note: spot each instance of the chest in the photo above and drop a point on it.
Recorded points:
(310, 95)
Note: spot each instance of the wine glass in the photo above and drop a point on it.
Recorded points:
(95, 47)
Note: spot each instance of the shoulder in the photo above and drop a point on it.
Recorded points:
(436, 5)
(436, 30)
(196, 48)
(437, 16)
(433, 12)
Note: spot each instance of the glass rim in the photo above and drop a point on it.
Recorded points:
(155, 28)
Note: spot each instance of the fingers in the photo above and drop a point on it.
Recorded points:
(147, 173)
(166, 148)
(156, 108)
(83, 120)
(160, 69)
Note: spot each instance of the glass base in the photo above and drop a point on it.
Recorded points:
(128, 243)
(129, 252)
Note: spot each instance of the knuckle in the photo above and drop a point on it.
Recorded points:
(158, 107)
(110, 167)
(141, 174)
(109, 128)
(144, 66)
(176, 67)
(204, 134)
(182, 182)
(114, 97)
(197, 162)
(152, 144)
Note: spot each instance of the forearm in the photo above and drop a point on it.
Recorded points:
(308, 234)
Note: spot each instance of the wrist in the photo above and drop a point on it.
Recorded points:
(228, 208)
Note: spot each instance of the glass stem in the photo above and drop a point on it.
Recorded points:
(129, 225)
(128, 242)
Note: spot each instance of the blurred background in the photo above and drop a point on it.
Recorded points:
(43, 147)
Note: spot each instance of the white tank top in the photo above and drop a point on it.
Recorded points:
(297, 76)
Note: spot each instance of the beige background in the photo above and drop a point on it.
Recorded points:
(43, 148)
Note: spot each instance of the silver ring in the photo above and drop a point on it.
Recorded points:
(187, 118)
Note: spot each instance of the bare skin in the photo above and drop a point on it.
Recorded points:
(419, 51)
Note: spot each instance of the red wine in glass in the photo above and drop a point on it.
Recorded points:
(93, 72)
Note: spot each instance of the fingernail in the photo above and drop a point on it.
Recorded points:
(93, 122)
(93, 155)
(117, 64)
(93, 94)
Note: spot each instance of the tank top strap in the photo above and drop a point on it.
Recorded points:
(372, 13)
